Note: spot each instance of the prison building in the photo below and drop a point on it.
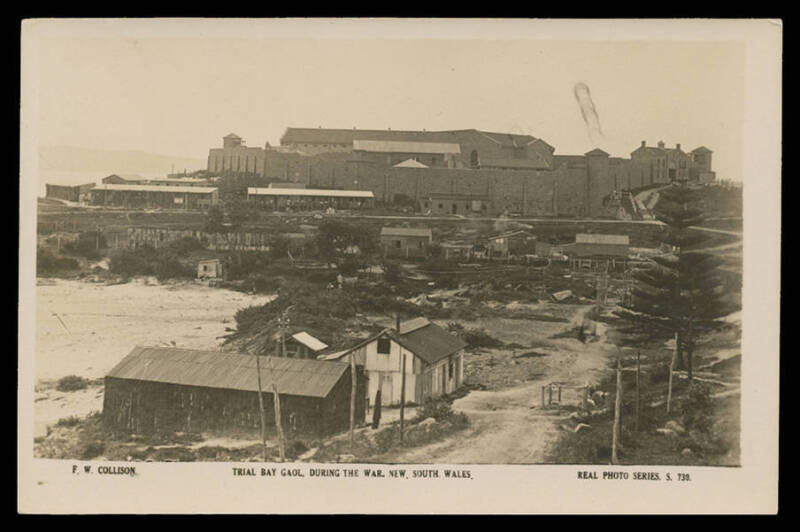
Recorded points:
(393, 152)
(74, 193)
(157, 389)
(124, 179)
(408, 242)
(310, 199)
(434, 362)
(151, 196)
(444, 203)
(181, 181)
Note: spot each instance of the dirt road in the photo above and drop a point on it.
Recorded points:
(509, 426)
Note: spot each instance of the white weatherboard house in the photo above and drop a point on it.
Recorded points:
(434, 362)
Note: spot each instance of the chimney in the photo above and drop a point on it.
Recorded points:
(644, 144)
(660, 143)
(397, 322)
(678, 147)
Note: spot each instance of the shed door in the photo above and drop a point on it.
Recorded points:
(386, 388)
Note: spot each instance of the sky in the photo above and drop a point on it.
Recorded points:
(180, 96)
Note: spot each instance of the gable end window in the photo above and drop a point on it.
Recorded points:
(384, 346)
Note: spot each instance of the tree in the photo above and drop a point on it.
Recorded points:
(214, 219)
(680, 294)
(337, 240)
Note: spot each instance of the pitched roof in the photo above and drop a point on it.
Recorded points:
(406, 231)
(232, 371)
(423, 338)
(410, 163)
(701, 149)
(427, 340)
(507, 234)
(596, 151)
(296, 135)
(309, 341)
(127, 177)
(400, 146)
(157, 188)
(590, 238)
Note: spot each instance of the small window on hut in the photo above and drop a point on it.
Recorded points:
(384, 346)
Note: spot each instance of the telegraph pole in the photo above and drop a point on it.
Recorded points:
(403, 398)
(261, 406)
(617, 407)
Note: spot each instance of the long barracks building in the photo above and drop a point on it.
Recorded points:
(461, 171)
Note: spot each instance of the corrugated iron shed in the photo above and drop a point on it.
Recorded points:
(233, 371)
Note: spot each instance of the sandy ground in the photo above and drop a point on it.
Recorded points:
(510, 425)
(85, 329)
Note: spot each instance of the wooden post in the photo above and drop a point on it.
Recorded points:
(543, 397)
(549, 394)
(559, 394)
(403, 398)
(638, 373)
(276, 400)
(261, 407)
(671, 369)
(617, 408)
(353, 392)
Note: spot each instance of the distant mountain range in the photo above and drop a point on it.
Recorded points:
(72, 159)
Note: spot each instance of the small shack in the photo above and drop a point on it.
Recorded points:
(406, 242)
(517, 242)
(157, 389)
(434, 361)
(210, 269)
(303, 345)
(597, 250)
(74, 193)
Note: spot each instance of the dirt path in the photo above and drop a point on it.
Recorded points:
(509, 426)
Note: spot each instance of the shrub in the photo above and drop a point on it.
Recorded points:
(133, 262)
(262, 283)
(87, 245)
(91, 450)
(391, 272)
(184, 246)
(47, 262)
(438, 408)
(696, 406)
(71, 383)
(70, 421)
(480, 338)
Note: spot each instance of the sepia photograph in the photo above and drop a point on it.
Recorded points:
(279, 252)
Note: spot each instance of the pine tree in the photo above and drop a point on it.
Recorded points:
(681, 293)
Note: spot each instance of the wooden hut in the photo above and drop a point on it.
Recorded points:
(157, 389)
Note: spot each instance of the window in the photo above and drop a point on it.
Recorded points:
(422, 243)
(440, 205)
(450, 369)
(397, 243)
(384, 346)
